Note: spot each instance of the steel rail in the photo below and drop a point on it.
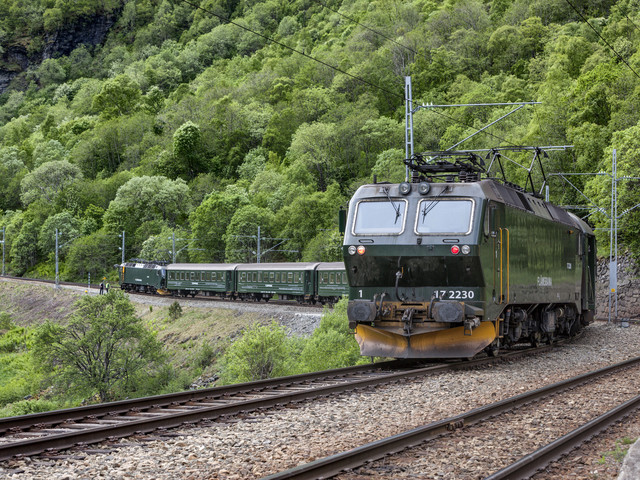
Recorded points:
(77, 413)
(272, 399)
(334, 464)
(534, 462)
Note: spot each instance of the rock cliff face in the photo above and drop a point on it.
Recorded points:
(628, 289)
(89, 31)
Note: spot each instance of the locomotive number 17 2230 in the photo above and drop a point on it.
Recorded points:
(454, 294)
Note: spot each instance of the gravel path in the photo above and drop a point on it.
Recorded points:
(261, 444)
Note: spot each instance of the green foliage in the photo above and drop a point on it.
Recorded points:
(20, 377)
(620, 451)
(104, 349)
(68, 229)
(209, 221)
(175, 311)
(263, 351)
(255, 129)
(5, 321)
(145, 198)
(118, 96)
(188, 159)
(48, 181)
(331, 345)
(26, 407)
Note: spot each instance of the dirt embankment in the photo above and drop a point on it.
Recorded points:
(212, 323)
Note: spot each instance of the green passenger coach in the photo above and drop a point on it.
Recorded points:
(290, 281)
(209, 279)
(332, 282)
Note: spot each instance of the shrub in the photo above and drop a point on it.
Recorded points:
(263, 351)
(331, 345)
(175, 311)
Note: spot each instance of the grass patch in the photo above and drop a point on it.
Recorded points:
(619, 452)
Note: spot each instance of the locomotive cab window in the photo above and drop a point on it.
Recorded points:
(380, 217)
(445, 217)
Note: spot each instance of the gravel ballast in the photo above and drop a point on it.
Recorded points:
(261, 444)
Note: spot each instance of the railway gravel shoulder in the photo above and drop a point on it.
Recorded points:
(261, 444)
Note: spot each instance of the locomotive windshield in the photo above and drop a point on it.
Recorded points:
(444, 216)
(380, 217)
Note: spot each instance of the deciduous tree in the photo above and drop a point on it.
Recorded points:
(103, 348)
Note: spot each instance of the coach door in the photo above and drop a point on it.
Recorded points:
(308, 282)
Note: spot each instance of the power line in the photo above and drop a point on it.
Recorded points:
(632, 23)
(351, 19)
(602, 38)
(300, 52)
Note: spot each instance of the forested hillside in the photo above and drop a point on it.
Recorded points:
(202, 120)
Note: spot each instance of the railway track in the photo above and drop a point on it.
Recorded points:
(197, 298)
(523, 468)
(36, 433)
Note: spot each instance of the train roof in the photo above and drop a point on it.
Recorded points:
(330, 266)
(489, 188)
(149, 265)
(292, 266)
(202, 266)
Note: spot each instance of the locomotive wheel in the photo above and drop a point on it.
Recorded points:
(494, 349)
(536, 340)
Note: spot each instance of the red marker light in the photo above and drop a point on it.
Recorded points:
(455, 249)
(361, 250)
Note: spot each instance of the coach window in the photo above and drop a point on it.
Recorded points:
(332, 278)
(255, 277)
(278, 277)
(272, 276)
(243, 277)
(290, 277)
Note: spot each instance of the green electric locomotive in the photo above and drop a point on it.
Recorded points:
(447, 269)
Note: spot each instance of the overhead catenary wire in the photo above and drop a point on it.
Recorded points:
(351, 19)
(602, 38)
(333, 67)
(300, 52)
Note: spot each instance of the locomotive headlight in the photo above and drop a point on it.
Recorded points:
(466, 249)
(424, 188)
(455, 249)
(361, 250)
(352, 250)
(405, 188)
